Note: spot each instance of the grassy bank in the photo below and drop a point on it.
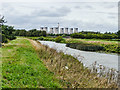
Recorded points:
(21, 67)
(89, 44)
(30, 65)
(70, 71)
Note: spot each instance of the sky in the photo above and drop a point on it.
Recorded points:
(94, 15)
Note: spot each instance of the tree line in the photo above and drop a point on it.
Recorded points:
(9, 33)
(6, 32)
(30, 33)
(96, 35)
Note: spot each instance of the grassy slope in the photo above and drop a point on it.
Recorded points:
(22, 68)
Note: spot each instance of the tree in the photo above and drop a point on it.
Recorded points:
(58, 39)
(2, 20)
(118, 33)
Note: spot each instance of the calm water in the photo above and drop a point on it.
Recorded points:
(88, 58)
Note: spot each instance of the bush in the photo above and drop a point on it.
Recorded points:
(40, 38)
(85, 47)
(59, 39)
(11, 37)
(4, 39)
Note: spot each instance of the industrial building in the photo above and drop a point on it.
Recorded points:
(44, 29)
(56, 30)
(75, 30)
(71, 31)
(61, 30)
(51, 30)
(66, 31)
(41, 28)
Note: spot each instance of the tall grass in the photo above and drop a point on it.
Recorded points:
(71, 71)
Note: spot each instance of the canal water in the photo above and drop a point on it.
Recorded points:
(86, 57)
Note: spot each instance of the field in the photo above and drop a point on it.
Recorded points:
(27, 63)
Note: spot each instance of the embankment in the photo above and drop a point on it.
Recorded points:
(27, 63)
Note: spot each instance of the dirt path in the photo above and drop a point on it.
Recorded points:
(34, 43)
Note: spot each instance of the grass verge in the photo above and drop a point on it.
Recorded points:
(27, 63)
(21, 67)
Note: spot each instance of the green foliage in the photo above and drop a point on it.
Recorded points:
(43, 38)
(118, 33)
(102, 45)
(11, 37)
(4, 39)
(59, 39)
(22, 67)
(7, 33)
(85, 47)
(113, 48)
(96, 35)
(30, 33)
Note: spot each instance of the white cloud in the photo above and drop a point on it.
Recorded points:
(60, 0)
(97, 16)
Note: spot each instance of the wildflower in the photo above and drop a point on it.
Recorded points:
(66, 67)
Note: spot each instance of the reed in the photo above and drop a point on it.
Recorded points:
(72, 72)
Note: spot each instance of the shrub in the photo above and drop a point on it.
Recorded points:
(11, 37)
(4, 39)
(59, 39)
(40, 38)
(85, 47)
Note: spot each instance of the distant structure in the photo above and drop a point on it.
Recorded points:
(71, 31)
(46, 29)
(59, 30)
(66, 31)
(51, 30)
(75, 30)
(56, 30)
(41, 28)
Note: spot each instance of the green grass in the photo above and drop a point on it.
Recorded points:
(21, 67)
(26, 67)
(109, 46)
(0, 67)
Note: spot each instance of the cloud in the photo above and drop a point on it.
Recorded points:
(58, 12)
(93, 16)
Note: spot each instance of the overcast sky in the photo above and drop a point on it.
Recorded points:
(94, 16)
